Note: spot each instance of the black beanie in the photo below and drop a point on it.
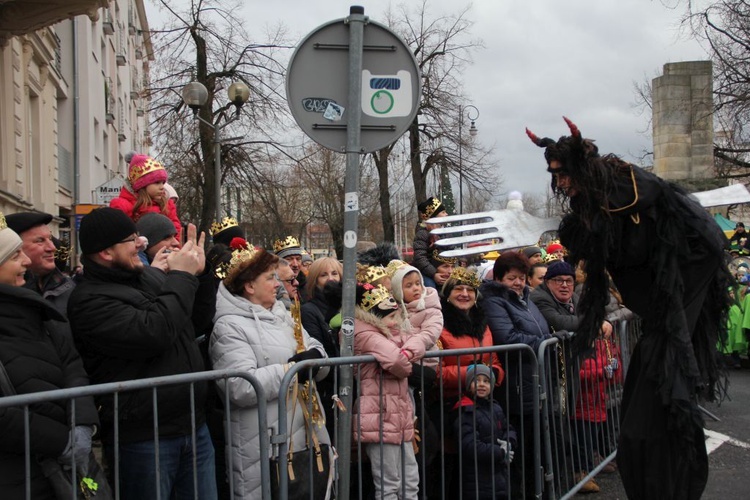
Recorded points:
(226, 236)
(103, 228)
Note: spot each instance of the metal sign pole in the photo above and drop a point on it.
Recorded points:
(356, 22)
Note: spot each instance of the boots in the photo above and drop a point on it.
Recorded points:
(589, 486)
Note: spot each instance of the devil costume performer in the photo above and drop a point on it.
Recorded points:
(665, 254)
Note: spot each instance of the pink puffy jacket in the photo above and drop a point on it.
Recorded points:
(394, 405)
(126, 203)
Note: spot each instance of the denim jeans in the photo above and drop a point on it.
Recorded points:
(138, 468)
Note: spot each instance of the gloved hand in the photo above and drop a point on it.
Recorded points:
(78, 449)
(304, 375)
(507, 448)
(420, 374)
(562, 335)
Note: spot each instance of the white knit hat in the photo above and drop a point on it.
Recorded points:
(9, 240)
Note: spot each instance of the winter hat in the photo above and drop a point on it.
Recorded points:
(554, 247)
(225, 231)
(23, 221)
(397, 281)
(430, 207)
(559, 268)
(472, 371)
(155, 227)
(379, 255)
(529, 252)
(376, 300)
(283, 248)
(9, 240)
(145, 170)
(103, 228)
(306, 257)
(171, 191)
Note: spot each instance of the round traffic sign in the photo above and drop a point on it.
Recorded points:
(317, 86)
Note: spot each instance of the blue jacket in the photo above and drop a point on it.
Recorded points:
(481, 424)
(514, 320)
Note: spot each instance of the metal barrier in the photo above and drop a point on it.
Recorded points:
(558, 445)
(26, 400)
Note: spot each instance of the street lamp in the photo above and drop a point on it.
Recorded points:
(195, 95)
(472, 113)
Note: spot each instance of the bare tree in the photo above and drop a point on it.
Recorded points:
(724, 28)
(204, 41)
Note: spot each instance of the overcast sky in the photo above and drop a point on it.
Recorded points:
(542, 59)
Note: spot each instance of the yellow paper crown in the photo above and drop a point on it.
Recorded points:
(138, 171)
(370, 274)
(394, 266)
(430, 209)
(463, 276)
(444, 260)
(288, 242)
(374, 296)
(242, 253)
(225, 223)
(3, 222)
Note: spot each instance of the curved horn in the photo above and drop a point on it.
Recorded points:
(573, 128)
(536, 140)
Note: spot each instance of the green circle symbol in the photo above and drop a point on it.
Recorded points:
(378, 109)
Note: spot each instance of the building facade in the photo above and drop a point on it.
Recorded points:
(71, 107)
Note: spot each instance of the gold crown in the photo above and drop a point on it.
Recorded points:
(373, 296)
(138, 171)
(463, 276)
(242, 252)
(444, 260)
(394, 266)
(225, 223)
(288, 242)
(3, 222)
(62, 254)
(370, 274)
(430, 209)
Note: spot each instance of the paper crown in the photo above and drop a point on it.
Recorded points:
(3, 222)
(288, 242)
(62, 253)
(242, 251)
(394, 266)
(225, 223)
(443, 260)
(430, 209)
(373, 296)
(463, 276)
(370, 274)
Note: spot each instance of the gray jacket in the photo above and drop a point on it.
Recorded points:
(252, 339)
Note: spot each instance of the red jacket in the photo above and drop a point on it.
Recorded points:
(591, 403)
(449, 364)
(126, 203)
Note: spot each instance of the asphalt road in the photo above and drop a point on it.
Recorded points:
(728, 443)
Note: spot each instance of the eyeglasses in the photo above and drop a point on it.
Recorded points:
(290, 280)
(563, 281)
(129, 240)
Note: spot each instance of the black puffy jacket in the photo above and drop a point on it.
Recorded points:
(36, 360)
(138, 325)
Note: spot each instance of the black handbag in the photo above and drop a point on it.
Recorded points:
(298, 464)
(93, 486)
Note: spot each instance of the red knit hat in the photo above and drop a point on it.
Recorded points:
(144, 170)
(554, 247)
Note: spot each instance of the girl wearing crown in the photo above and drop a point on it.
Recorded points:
(146, 192)
(254, 333)
(384, 412)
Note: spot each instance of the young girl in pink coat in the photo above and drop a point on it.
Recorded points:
(146, 192)
(383, 417)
